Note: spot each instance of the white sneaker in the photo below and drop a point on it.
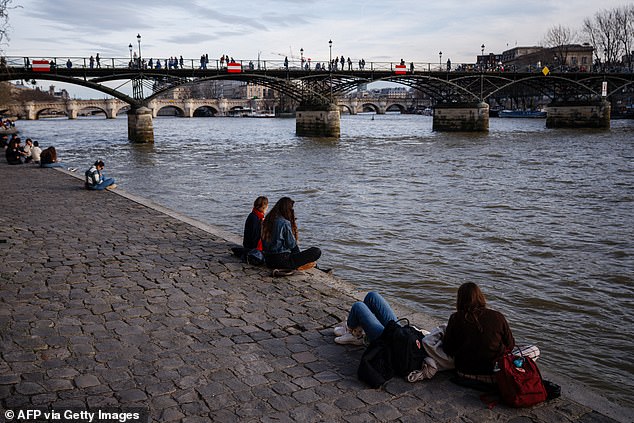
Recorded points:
(111, 187)
(349, 339)
(341, 329)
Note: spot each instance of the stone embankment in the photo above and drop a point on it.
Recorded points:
(107, 301)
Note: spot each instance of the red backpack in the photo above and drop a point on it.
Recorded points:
(519, 381)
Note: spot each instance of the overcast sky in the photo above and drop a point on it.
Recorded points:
(388, 30)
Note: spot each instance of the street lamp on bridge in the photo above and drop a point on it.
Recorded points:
(482, 72)
(138, 37)
(440, 60)
(130, 47)
(482, 55)
(301, 57)
(330, 63)
(330, 68)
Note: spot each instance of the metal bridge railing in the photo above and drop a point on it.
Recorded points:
(23, 62)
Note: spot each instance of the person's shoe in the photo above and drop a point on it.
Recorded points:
(341, 329)
(113, 186)
(282, 272)
(349, 339)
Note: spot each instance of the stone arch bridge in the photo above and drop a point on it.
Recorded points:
(112, 107)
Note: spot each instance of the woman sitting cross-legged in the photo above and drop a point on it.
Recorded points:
(95, 179)
(477, 336)
(279, 239)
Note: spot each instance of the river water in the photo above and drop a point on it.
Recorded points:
(541, 219)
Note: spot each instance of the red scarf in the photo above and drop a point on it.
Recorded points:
(260, 216)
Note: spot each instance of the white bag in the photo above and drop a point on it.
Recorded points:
(433, 347)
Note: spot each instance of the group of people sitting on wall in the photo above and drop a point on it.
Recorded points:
(273, 240)
(471, 342)
(30, 152)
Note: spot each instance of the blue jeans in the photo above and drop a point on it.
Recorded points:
(56, 164)
(106, 183)
(372, 315)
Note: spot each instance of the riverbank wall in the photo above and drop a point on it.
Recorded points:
(109, 300)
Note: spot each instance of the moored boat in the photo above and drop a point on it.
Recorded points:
(522, 114)
(8, 131)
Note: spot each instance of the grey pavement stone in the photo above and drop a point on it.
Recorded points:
(160, 314)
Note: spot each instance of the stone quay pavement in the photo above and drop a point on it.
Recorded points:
(109, 301)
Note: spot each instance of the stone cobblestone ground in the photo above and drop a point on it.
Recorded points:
(107, 302)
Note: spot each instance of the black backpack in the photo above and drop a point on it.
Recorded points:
(397, 352)
(375, 367)
(406, 346)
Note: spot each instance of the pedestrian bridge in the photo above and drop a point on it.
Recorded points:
(459, 95)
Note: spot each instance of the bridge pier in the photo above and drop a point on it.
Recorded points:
(461, 117)
(140, 128)
(318, 121)
(111, 108)
(29, 111)
(578, 115)
(71, 109)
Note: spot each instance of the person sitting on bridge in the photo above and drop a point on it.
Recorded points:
(279, 240)
(95, 179)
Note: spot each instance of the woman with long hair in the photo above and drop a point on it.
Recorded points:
(477, 336)
(279, 239)
(48, 158)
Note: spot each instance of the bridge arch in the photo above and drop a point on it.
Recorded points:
(123, 109)
(370, 107)
(535, 82)
(50, 108)
(101, 110)
(27, 75)
(344, 108)
(393, 107)
(178, 110)
(205, 111)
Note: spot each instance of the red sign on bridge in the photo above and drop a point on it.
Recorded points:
(233, 67)
(41, 66)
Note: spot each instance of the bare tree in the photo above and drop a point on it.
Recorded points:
(5, 6)
(625, 20)
(604, 33)
(559, 38)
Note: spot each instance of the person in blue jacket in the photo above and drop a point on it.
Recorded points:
(279, 239)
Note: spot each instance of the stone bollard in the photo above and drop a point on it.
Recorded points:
(140, 128)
